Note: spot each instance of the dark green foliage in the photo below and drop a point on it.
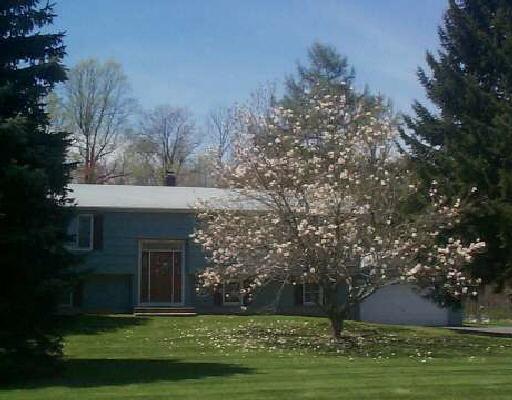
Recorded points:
(35, 266)
(328, 73)
(467, 141)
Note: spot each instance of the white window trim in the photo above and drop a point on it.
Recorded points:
(232, 303)
(75, 246)
(312, 303)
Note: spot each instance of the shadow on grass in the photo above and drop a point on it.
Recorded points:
(94, 324)
(82, 373)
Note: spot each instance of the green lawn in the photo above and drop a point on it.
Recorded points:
(219, 357)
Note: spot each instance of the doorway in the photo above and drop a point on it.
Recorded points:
(161, 273)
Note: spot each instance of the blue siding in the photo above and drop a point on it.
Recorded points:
(265, 301)
(107, 293)
(111, 282)
(123, 230)
(120, 254)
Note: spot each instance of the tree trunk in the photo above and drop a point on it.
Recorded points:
(335, 306)
(337, 321)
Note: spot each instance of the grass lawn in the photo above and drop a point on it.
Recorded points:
(269, 357)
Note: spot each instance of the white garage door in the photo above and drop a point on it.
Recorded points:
(399, 304)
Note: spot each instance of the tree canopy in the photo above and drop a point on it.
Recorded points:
(465, 141)
(95, 106)
(33, 176)
(317, 198)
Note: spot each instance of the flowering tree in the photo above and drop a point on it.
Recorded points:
(318, 200)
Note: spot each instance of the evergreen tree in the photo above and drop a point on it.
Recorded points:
(327, 72)
(466, 143)
(33, 177)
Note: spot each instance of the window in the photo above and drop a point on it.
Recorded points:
(232, 295)
(81, 232)
(312, 294)
(66, 298)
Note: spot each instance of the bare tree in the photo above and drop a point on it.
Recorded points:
(227, 125)
(251, 113)
(140, 162)
(172, 130)
(200, 170)
(222, 131)
(95, 106)
(262, 100)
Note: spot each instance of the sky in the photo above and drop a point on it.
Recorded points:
(205, 54)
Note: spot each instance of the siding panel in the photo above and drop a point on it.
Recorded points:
(120, 252)
(107, 293)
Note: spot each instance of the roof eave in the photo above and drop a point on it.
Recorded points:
(138, 209)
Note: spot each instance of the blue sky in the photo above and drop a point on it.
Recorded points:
(209, 53)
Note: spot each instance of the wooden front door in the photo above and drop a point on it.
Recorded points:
(160, 281)
(160, 277)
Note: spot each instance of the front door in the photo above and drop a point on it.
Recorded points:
(161, 281)
(160, 277)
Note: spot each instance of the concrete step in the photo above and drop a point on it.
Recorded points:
(166, 314)
(164, 311)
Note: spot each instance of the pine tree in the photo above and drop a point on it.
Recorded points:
(466, 142)
(34, 263)
(327, 72)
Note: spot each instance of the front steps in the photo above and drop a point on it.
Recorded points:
(164, 311)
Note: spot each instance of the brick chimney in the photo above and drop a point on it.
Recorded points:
(170, 179)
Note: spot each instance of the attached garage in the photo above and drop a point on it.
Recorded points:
(401, 304)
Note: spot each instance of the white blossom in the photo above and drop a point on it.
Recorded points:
(327, 208)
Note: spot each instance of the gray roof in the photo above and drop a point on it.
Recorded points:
(157, 198)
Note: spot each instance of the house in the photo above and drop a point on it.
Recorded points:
(139, 258)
